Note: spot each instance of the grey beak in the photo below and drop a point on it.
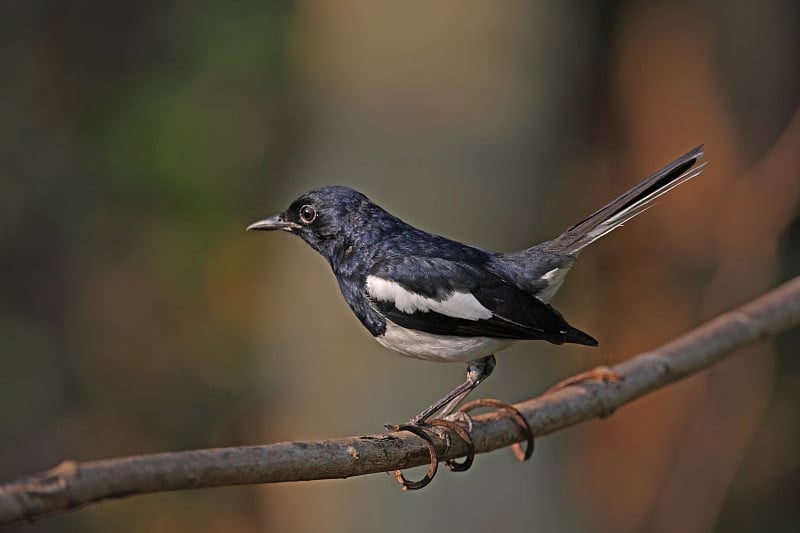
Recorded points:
(273, 223)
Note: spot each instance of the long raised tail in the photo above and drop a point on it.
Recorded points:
(628, 205)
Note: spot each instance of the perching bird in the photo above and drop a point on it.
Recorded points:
(432, 298)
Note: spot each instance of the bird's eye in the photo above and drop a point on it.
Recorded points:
(308, 214)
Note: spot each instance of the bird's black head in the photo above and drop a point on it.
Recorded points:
(327, 218)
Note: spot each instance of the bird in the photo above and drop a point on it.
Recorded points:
(432, 298)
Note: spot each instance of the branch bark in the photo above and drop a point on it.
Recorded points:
(71, 484)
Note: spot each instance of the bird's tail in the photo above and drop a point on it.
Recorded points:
(628, 205)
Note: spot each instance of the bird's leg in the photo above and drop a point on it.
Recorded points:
(477, 372)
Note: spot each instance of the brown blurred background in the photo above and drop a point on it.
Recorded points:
(138, 139)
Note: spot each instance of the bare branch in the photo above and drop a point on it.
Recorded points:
(72, 484)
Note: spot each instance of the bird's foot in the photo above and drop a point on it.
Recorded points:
(603, 374)
(441, 428)
(520, 453)
(419, 431)
(461, 418)
(461, 423)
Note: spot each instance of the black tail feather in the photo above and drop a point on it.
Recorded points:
(627, 205)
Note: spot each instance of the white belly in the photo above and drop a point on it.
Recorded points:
(440, 348)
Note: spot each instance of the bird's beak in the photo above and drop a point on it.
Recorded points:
(273, 223)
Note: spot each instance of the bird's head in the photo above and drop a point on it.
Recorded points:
(326, 218)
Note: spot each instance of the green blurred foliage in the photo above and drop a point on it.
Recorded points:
(134, 137)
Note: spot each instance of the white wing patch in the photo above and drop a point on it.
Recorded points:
(457, 305)
(554, 279)
(550, 274)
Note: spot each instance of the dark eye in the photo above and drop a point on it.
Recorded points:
(308, 214)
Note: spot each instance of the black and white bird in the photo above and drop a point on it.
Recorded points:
(432, 298)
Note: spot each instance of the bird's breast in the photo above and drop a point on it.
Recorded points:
(439, 348)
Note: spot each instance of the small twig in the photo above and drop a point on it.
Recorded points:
(72, 484)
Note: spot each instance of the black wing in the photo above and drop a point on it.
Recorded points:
(447, 297)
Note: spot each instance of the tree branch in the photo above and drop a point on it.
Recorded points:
(73, 484)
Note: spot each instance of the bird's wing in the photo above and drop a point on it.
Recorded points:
(446, 297)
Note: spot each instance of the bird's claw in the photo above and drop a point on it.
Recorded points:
(462, 418)
(419, 431)
(422, 431)
(460, 423)
(521, 454)
(463, 433)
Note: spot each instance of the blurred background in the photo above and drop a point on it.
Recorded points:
(138, 139)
